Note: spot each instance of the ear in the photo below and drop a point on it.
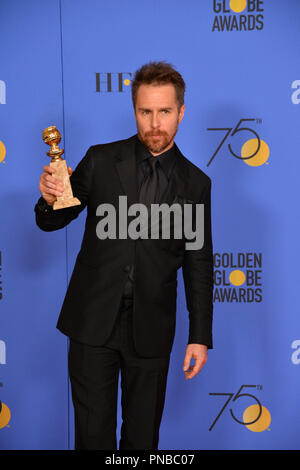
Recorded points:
(181, 113)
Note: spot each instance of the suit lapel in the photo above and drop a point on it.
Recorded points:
(125, 163)
(178, 181)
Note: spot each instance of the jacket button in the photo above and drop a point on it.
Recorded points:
(127, 268)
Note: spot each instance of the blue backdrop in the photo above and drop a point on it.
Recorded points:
(70, 63)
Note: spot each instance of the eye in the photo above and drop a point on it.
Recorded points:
(165, 111)
(145, 111)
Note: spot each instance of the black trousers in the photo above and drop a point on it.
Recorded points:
(94, 375)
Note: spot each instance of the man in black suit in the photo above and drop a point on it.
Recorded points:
(120, 307)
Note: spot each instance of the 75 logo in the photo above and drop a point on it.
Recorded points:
(254, 151)
(255, 417)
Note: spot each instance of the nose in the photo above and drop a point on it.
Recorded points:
(155, 123)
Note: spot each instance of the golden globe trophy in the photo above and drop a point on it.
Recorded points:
(52, 137)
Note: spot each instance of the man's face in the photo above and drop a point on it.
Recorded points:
(157, 116)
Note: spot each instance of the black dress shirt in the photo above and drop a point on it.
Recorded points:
(167, 162)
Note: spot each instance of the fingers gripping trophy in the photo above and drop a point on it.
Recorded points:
(58, 172)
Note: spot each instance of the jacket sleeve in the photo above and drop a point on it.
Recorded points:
(48, 219)
(197, 272)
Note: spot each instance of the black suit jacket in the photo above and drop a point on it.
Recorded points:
(95, 289)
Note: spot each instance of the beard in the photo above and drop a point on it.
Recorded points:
(155, 144)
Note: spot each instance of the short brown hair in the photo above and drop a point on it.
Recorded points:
(158, 73)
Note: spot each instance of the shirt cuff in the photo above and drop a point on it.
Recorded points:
(43, 207)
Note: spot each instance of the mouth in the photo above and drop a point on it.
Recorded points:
(156, 136)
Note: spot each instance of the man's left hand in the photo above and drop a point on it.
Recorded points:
(197, 352)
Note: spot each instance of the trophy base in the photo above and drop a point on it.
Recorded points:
(69, 202)
(66, 199)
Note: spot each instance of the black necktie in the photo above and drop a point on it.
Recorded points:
(149, 186)
(152, 187)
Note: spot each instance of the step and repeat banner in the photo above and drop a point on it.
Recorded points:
(70, 63)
